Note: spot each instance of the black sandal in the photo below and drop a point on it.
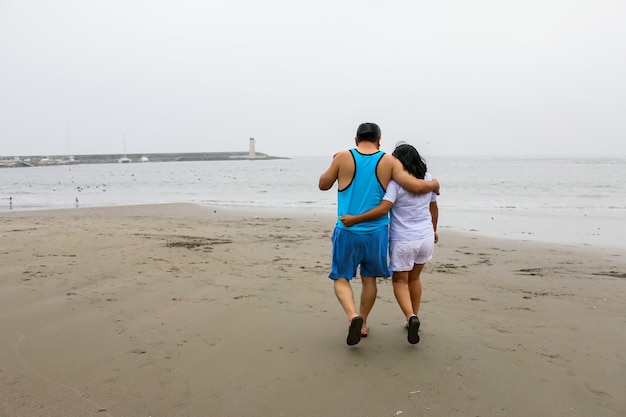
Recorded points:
(354, 331)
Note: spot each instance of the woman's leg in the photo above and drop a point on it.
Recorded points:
(400, 281)
(415, 287)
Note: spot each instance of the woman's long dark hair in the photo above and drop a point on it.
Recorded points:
(411, 160)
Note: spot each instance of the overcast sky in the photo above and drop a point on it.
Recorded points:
(479, 77)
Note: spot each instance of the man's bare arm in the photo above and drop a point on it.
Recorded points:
(331, 175)
(410, 183)
(328, 177)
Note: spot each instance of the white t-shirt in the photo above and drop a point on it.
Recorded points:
(410, 214)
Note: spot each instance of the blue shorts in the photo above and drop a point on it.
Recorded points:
(369, 250)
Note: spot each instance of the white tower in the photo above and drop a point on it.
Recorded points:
(252, 152)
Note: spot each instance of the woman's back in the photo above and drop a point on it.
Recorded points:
(410, 214)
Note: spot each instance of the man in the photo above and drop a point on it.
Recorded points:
(362, 175)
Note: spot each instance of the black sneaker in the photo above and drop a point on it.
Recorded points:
(414, 325)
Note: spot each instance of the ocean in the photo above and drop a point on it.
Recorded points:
(564, 200)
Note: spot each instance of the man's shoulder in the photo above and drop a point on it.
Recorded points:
(343, 155)
(388, 161)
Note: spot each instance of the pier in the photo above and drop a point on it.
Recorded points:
(29, 161)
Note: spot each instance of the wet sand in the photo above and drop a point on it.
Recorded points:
(182, 310)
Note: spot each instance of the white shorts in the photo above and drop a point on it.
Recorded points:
(404, 254)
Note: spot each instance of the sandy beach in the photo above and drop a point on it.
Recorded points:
(183, 310)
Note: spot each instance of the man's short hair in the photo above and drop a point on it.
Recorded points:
(369, 132)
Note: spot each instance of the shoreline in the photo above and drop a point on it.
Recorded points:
(176, 309)
(570, 228)
(578, 229)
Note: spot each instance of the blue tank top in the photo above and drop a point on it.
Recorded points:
(363, 193)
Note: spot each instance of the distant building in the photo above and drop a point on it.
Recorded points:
(252, 152)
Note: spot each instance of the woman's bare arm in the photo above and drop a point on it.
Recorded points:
(378, 211)
(434, 213)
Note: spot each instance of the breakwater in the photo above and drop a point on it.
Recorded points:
(26, 161)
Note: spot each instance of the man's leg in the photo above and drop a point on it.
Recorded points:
(344, 294)
(374, 264)
(368, 298)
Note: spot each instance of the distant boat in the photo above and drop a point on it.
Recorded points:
(124, 159)
(144, 159)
